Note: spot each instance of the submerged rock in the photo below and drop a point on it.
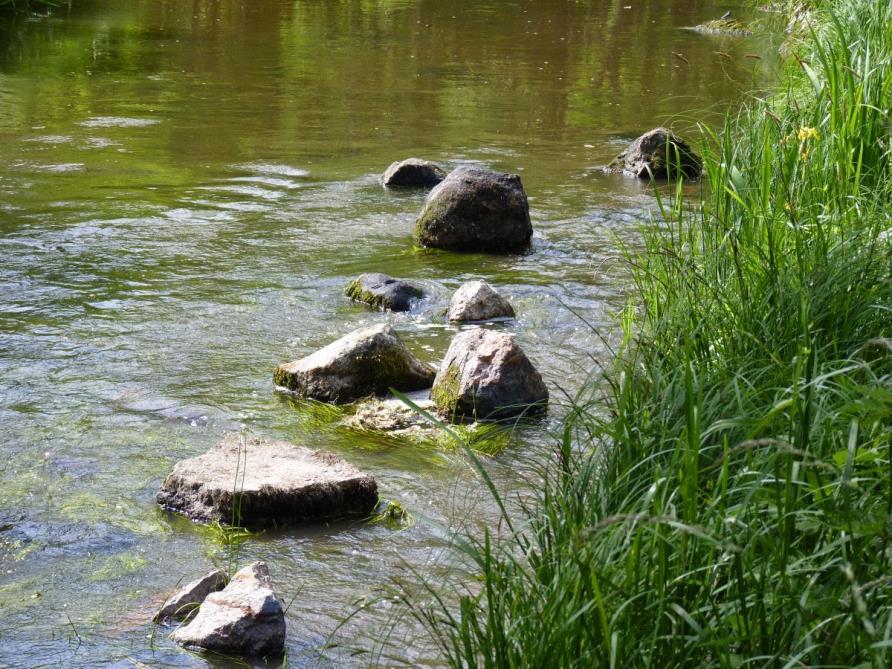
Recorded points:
(184, 601)
(266, 483)
(394, 416)
(413, 172)
(478, 301)
(722, 26)
(245, 618)
(368, 361)
(485, 375)
(383, 292)
(658, 152)
(475, 209)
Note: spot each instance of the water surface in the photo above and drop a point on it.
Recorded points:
(186, 188)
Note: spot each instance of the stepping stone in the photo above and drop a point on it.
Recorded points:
(253, 482)
(369, 361)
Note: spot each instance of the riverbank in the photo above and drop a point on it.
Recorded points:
(722, 494)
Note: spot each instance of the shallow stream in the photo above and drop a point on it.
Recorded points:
(185, 190)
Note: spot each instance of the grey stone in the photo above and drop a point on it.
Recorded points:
(485, 375)
(475, 209)
(392, 415)
(245, 618)
(648, 156)
(184, 601)
(368, 361)
(383, 292)
(478, 301)
(413, 172)
(266, 483)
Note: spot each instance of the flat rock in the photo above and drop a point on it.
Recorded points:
(245, 618)
(368, 361)
(475, 209)
(184, 601)
(383, 292)
(485, 375)
(413, 172)
(277, 483)
(478, 301)
(658, 153)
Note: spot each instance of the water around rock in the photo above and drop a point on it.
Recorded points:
(254, 482)
(245, 618)
(478, 301)
(658, 153)
(413, 172)
(383, 292)
(368, 361)
(485, 375)
(184, 601)
(475, 209)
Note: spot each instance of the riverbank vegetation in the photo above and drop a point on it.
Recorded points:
(722, 494)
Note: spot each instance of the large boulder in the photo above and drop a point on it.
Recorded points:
(658, 153)
(478, 301)
(413, 172)
(368, 361)
(254, 482)
(383, 292)
(475, 209)
(245, 618)
(184, 601)
(485, 375)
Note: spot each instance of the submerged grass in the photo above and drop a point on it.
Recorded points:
(733, 506)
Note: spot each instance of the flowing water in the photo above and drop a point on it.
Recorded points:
(185, 190)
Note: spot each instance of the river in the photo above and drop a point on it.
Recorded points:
(185, 190)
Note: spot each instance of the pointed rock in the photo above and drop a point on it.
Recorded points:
(478, 301)
(265, 483)
(184, 601)
(245, 618)
(383, 292)
(658, 152)
(475, 209)
(413, 172)
(485, 375)
(365, 362)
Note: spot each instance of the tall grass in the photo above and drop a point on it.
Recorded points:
(734, 508)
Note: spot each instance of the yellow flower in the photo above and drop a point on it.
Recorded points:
(805, 133)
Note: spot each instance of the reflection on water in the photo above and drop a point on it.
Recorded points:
(185, 189)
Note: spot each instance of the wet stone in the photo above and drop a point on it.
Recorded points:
(660, 154)
(184, 601)
(478, 301)
(383, 292)
(476, 210)
(368, 361)
(413, 172)
(245, 618)
(486, 376)
(273, 483)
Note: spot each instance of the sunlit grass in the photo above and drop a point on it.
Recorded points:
(732, 505)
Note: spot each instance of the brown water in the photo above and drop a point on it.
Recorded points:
(185, 189)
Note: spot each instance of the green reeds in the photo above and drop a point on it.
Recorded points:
(732, 505)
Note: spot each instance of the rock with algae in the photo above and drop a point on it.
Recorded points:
(383, 292)
(475, 209)
(368, 361)
(485, 375)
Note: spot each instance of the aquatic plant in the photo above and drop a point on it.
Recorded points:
(730, 505)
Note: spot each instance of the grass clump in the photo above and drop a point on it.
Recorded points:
(734, 506)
